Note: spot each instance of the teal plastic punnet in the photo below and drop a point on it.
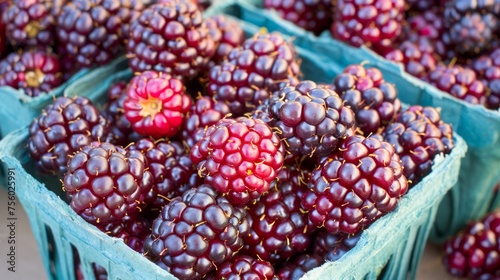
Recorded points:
(474, 194)
(390, 248)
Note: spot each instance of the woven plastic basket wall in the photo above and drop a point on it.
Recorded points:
(480, 127)
(390, 249)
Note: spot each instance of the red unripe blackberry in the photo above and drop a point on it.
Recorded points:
(195, 233)
(295, 269)
(278, 226)
(239, 158)
(132, 231)
(170, 37)
(121, 131)
(106, 184)
(418, 135)
(417, 58)
(487, 68)
(93, 32)
(309, 118)
(315, 16)
(459, 82)
(245, 267)
(252, 72)
(475, 252)
(332, 247)
(205, 112)
(156, 104)
(36, 72)
(374, 101)
(227, 35)
(64, 127)
(354, 186)
(31, 23)
(171, 168)
(374, 23)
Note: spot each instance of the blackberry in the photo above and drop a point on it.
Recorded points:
(93, 32)
(35, 72)
(156, 104)
(473, 25)
(170, 37)
(227, 34)
(64, 127)
(239, 158)
(196, 233)
(121, 131)
(31, 23)
(354, 186)
(459, 82)
(299, 266)
(418, 135)
(421, 5)
(3, 38)
(171, 168)
(245, 267)
(375, 23)
(205, 112)
(475, 252)
(278, 227)
(106, 184)
(261, 66)
(487, 68)
(132, 231)
(332, 247)
(374, 102)
(417, 58)
(310, 119)
(315, 16)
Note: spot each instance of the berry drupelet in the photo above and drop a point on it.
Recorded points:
(376, 23)
(332, 247)
(475, 252)
(354, 186)
(421, 5)
(132, 231)
(35, 72)
(374, 102)
(245, 267)
(64, 127)
(301, 264)
(264, 64)
(417, 58)
(106, 184)
(487, 68)
(227, 35)
(239, 158)
(156, 104)
(315, 16)
(418, 135)
(310, 119)
(196, 233)
(170, 37)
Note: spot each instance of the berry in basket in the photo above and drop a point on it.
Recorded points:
(487, 68)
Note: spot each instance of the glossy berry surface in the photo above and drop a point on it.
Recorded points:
(332, 247)
(354, 186)
(61, 129)
(375, 23)
(460, 82)
(422, 5)
(315, 16)
(239, 158)
(310, 119)
(487, 68)
(417, 58)
(31, 23)
(93, 32)
(156, 104)
(35, 72)
(245, 267)
(278, 226)
(475, 252)
(106, 184)
(170, 37)
(196, 233)
(418, 135)
(301, 264)
(227, 35)
(204, 113)
(132, 231)
(171, 168)
(252, 72)
(374, 101)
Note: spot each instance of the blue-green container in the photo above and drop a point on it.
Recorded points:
(389, 249)
(473, 196)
